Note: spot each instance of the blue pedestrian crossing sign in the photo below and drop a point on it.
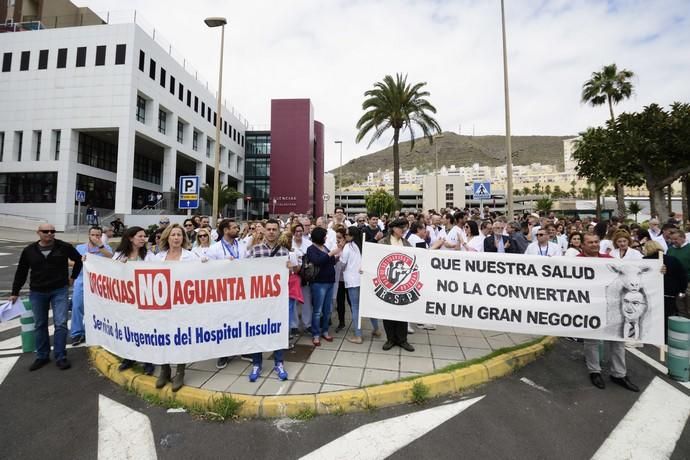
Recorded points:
(188, 192)
(80, 196)
(481, 190)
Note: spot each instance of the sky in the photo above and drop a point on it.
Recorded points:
(332, 51)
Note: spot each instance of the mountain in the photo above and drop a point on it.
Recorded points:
(458, 150)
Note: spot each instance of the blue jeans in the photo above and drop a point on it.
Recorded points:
(322, 301)
(40, 304)
(353, 295)
(258, 358)
(293, 316)
(77, 327)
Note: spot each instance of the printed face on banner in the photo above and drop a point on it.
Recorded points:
(397, 279)
(626, 309)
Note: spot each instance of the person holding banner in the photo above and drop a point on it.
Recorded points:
(591, 248)
(174, 244)
(322, 285)
(621, 247)
(133, 247)
(396, 331)
(269, 248)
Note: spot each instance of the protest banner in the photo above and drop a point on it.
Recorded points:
(170, 313)
(608, 299)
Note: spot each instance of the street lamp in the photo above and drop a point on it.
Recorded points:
(438, 136)
(509, 154)
(216, 22)
(340, 173)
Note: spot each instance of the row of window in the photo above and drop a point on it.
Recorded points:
(28, 187)
(62, 57)
(37, 139)
(175, 87)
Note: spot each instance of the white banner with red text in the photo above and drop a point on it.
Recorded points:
(182, 312)
(594, 298)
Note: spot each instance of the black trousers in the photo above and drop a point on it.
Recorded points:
(340, 302)
(396, 331)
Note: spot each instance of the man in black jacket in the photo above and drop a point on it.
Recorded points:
(47, 259)
(498, 242)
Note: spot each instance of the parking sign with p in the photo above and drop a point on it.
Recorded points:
(188, 192)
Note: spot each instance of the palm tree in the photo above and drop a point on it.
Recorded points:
(634, 208)
(610, 86)
(226, 195)
(544, 205)
(394, 103)
(526, 190)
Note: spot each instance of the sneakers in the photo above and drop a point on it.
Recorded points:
(38, 363)
(222, 362)
(247, 358)
(354, 339)
(78, 340)
(149, 368)
(63, 364)
(125, 364)
(280, 370)
(429, 327)
(410, 330)
(256, 371)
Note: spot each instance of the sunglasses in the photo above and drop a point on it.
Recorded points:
(252, 228)
(46, 232)
(189, 225)
(203, 236)
(163, 222)
(541, 234)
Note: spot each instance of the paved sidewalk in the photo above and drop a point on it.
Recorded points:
(341, 365)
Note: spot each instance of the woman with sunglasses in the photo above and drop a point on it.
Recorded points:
(202, 243)
(133, 248)
(189, 229)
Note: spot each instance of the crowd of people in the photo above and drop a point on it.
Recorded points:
(324, 260)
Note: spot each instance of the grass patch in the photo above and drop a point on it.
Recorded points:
(156, 400)
(369, 407)
(420, 392)
(224, 408)
(306, 413)
(339, 411)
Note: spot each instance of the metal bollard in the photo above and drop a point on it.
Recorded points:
(28, 329)
(678, 360)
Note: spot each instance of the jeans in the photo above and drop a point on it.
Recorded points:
(40, 303)
(292, 315)
(307, 310)
(77, 327)
(322, 301)
(353, 295)
(258, 358)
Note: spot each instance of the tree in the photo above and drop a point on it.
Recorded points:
(544, 205)
(634, 208)
(526, 190)
(380, 202)
(517, 192)
(558, 193)
(226, 195)
(394, 103)
(573, 190)
(547, 190)
(610, 86)
(536, 189)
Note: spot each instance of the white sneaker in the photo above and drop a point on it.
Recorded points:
(409, 329)
(429, 327)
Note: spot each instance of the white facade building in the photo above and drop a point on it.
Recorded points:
(107, 110)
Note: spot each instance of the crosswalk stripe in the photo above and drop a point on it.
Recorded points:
(651, 428)
(383, 438)
(123, 432)
(6, 365)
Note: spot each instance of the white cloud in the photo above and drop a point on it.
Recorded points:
(333, 51)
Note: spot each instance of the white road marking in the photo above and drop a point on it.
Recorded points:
(534, 385)
(652, 426)
(4, 266)
(655, 364)
(381, 439)
(123, 432)
(6, 365)
(5, 253)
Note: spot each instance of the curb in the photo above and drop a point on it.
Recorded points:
(336, 402)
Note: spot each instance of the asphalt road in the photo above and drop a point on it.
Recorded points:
(9, 256)
(54, 414)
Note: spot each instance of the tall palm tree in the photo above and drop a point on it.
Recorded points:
(610, 86)
(397, 104)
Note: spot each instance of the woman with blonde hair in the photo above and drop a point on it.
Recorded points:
(622, 242)
(202, 243)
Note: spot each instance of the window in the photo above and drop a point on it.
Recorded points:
(196, 104)
(203, 109)
(195, 140)
(24, 61)
(242, 139)
(180, 92)
(141, 109)
(172, 85)
(142, 60)
(208, 113)
(120, 53)
(2, 145)
(189, 98)
(19, 141)
(81, 56)
(225, 127)
(57, 135)
(97, 153)
(163, 78)
(208, 147)
(100, 55)
(62, 58)
(215, 118)
(28, 187)
(101, 193)
(180, 132)
(43, 59)
(162, 118)
(147, 169)
(6, 62)
(37, 139)
(152, 69)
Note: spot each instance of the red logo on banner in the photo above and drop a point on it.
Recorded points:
(153, 289)
(397, 279)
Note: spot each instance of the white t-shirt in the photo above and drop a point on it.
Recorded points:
(352, 262)
(300, 250)
(330, 239)
(454, 235)
(630, 254)
(435, 234)
(413, 239)
(551, 250)
(571, 252)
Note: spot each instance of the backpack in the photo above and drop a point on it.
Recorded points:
(308, 271)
